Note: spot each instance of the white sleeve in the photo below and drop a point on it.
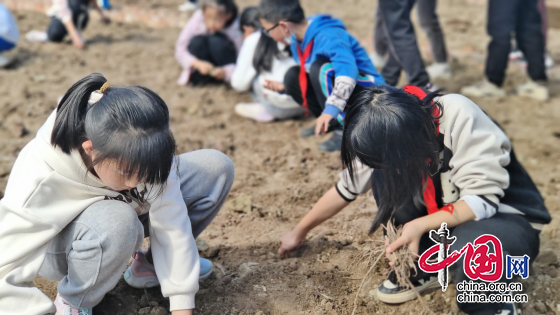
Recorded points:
(62, 10)
(481, 150)
(348, 189)
(481, 206)
(174, 249)
(244, 73)
(24, 239)
(342, 90)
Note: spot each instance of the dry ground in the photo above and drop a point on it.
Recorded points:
(281, 173)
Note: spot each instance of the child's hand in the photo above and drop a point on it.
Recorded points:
(105, 19)
(322, 124)
(274, 86)
(289, 242)
(78, 42)
(218, 73)
(203, 67)
(410, 236)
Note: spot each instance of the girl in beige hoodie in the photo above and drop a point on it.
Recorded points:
(100, 175)
(432, 159)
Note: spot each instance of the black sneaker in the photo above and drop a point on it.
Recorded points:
(334, 143)
(391, 293)
(307, 132)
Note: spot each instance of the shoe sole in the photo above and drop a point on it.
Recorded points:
(409, 295)
(204, 276)
(250, 116)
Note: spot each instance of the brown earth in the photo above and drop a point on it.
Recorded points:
(282, 174)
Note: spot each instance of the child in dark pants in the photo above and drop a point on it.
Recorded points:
(208, 45)
(432, 159)
(216, 49)
(523, 18)
(68, 17)
(321, 81)
(317, 38)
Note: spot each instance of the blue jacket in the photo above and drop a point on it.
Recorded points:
(332, 41)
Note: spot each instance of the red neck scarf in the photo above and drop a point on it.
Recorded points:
(430, 191)
(303, 74)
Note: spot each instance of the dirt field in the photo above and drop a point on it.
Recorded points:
(282, 174)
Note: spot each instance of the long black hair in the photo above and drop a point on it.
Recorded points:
(267, 48)
(250, 17)
(227, 7)
(395, 133)
(129, 125)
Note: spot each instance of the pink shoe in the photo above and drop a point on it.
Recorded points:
(62, 308)
(141, 274)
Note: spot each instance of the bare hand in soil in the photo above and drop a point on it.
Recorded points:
(410, 236)
(203, 67)
(105, 19)
(274, 86)
(218, 73)
(322, 124)
(289, 242)
(79, 43)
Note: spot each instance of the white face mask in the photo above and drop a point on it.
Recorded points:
(288, 39)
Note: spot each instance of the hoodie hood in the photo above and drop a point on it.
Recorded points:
(319, 23)
(331, 41)
(70, 165)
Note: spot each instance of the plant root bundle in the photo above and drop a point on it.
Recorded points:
(402, 258)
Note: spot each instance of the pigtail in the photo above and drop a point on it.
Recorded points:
(69, 132)
(266, 51)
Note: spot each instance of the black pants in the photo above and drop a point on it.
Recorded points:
(523, 18)
(429, 22)
(316, 97)
(515, 233)
(216, 49)
(401, 39)
(56, 31)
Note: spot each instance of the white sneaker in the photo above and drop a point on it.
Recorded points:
(255, 111)
(431, 87)
(37, 37)
(188, 7)
(484, 89)
(439, 70)
(533, 90)
(515, 55)
(4, 61)
(378, 60)
(548, 61)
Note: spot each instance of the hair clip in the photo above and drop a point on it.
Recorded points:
(104, 87)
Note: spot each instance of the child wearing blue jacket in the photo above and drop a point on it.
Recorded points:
(332, 64)
(9, 34)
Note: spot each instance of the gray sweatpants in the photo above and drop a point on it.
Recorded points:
(90, 255)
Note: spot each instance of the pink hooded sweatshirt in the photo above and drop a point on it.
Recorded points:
(195, 26)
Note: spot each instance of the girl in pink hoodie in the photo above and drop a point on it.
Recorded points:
(208, 45)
